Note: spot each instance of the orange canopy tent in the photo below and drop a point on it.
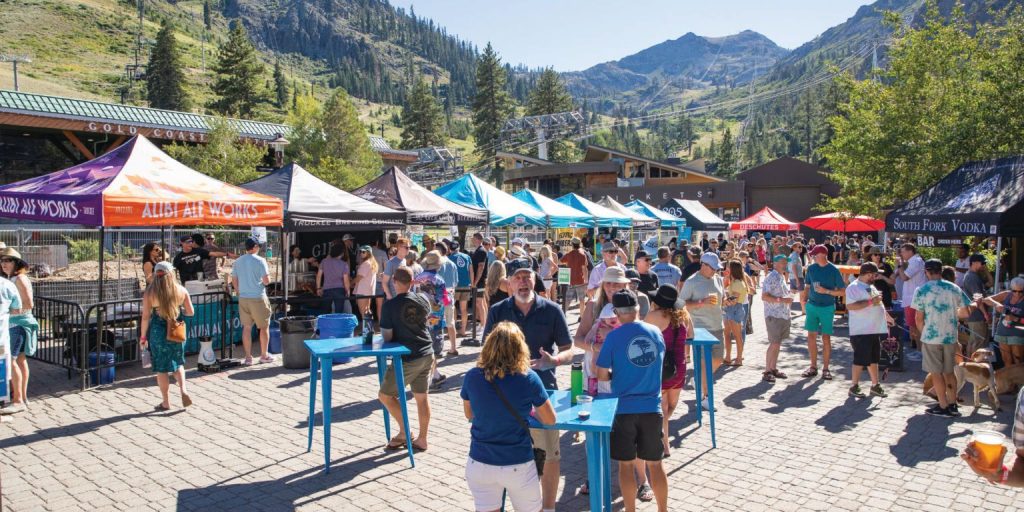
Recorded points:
(765, 220)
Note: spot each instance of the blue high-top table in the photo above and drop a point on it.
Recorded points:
(321, 358)
(702, 343)
(598, 428)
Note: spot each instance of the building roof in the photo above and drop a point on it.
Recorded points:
(520, 156)
(689, 167)
(556, 170)
(787, 172)
(88, 110)
(380, 145)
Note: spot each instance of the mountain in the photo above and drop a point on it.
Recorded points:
(689, 62)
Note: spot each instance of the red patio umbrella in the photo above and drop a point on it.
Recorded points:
(843, 221)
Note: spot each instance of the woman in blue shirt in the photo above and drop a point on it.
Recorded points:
(501, 450)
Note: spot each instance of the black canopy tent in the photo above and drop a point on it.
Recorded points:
(983, 199)
(696, 214)
(395, 190)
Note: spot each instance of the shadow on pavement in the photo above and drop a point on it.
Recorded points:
(846, 416)
(76, 429)
(736, 399)
(796, 395)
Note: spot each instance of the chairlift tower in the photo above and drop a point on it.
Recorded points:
(136, 72)
(545, 128)
(14, 60)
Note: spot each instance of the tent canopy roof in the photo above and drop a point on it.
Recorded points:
(505, 209)
(983, 198)
(136, 184)
(667, 219)
(560, 215)
(640, 221)
(394, 189)
(312, 204)
(765, 219)
(696, 214)
(606, 218)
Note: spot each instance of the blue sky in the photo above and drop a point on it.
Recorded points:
(575, 34)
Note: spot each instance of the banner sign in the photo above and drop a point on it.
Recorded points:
(937, 241)
(563, 275)
(945, 226)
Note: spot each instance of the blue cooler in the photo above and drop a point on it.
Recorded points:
(101, 375)
(336, 325)
(275, 338)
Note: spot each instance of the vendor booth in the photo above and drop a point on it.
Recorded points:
(559, 215)
(604, 217)
(504, 209)
(393, 189)
(765, 219)
(134, 185)
(979, 199)
(697, 216)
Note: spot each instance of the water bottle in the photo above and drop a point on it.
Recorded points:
(147, 362)
(576, 382)
(270, 251)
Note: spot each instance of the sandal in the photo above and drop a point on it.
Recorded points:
(768, 377)
(645, 493)
(394, 445)
(727, 362)
(738, 362)
(585, 488)
(826, 375)
(452, 353)
(162, 407)
(417, 449)
(779, 375)
(809, 373)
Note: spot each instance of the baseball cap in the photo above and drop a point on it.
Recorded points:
(711, 259)
(632, 275)
(780, 257)
(624, 299)
(642, 254)
(365, 248)
(609, 247)
(615, 275)
(933, 265)
(185, 238)
(432, 260)
(665, 296)
(868, 268)
(575, 241)
(978, 258)
(818, 249)
(163, 266)
(516, 265)
(251, 243)
(453, 245)
(517, 251)
(348, 236)
(518, 241)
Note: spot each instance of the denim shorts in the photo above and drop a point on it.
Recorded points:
(737, 313)
(18, 338)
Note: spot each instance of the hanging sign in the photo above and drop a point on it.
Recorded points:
(563, 275)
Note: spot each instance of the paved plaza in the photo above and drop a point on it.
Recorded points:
(797, 444)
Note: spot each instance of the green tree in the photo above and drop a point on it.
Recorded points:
(207, 16)
(549, 96)
(239, 73)
(492, 105)
(951, 94)
(725, 161)
(331, 142)
(280, 86)
(422, 118)
(224, 156)
(165, 78)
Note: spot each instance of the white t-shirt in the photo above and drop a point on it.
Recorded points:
(962, 263)
(915, 278)
(869, 320)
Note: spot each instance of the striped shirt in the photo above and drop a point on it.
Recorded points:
(1018, 422)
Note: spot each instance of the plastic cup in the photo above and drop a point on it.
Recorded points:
(989, 445)
(585, 403)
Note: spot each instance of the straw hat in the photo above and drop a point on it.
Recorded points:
(615, 275)
(431, 261)
(9, 252)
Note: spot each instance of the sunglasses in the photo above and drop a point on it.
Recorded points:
(1014, 291)
(6, 260)
(209, 238)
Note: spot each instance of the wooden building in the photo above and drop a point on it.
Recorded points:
(789, 186)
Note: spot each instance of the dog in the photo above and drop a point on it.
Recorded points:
(978, 371)
(1009, 379)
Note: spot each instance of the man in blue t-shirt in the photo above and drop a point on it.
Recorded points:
(631, 359)
(250, 277)
(822, 285)
(466, 274)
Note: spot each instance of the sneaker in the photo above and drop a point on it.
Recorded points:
(471, 343)
(855, 391)
(435, 384)
(954, 410)
(877, 390)
(913, 356)
(939, 411)
(704, 404)
(267, 359)
(13, 408)
(247, 362)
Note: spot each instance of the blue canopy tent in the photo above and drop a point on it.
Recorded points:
(559, 215)
(667, 219)
(504, 209)
(605, 218)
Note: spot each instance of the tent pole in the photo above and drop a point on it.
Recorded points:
(285, 254)
(999, 253)
(102, 263)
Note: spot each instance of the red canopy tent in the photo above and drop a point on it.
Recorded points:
(765, 220)
(844, 222)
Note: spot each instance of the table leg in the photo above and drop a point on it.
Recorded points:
(400, 379)
(697, 357)
(313, 362)
(594, 474)
(325, 384)
(711, 396)
(382, 366)
(606, 450)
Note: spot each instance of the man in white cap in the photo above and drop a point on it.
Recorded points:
(704, 293)
(609, 253)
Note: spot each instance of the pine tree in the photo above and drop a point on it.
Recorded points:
(549, 96)
(165, 79)
(726, 158)
(280, 85)
(492, 104)
(238, 74)
(207, 19)
(331, 141)
(422, 119)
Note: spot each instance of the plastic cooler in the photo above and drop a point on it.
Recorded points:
(336, 325)
(101, 375)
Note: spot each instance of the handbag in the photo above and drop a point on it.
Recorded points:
(176, 332)
(539, 456)
(668, 366)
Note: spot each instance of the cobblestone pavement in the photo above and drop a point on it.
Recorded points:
(796, 445)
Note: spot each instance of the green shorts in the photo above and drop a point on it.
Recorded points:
(1010, 340)
(819, 318)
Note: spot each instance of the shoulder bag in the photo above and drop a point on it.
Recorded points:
(668, 366)
(539, 456)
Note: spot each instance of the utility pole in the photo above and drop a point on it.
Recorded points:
(14, 60)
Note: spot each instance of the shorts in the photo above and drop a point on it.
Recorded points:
(1006, 340)
(416, 373)
(736, 313)
(867, 348)
(547, 440)
(938, 358)
(778, 328)
(718, 351)
(910, 316)
(437, 340)
(488, 484)
(637, 436)
(796, 284)
(819, 318)
(979, 336)
(461, 296)
(254, 311)
(18, 338)
(449, 316)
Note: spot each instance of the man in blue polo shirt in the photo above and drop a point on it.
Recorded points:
(546, 330)
(822, 285)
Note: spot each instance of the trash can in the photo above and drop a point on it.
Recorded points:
(295, 330)
(336, 325)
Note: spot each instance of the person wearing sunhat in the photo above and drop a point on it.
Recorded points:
(704, 293)
(19, 335)
(250, 277)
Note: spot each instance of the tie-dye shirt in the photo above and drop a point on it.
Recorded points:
(939, 300)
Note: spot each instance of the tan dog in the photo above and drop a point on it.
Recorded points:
(1010, 378)
(978, 371)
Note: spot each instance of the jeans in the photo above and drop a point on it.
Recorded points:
(336, 300)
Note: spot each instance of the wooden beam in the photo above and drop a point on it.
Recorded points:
(116, 142)
(78, 145)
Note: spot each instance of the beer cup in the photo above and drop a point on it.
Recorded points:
(713, 299)
(989, 445)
